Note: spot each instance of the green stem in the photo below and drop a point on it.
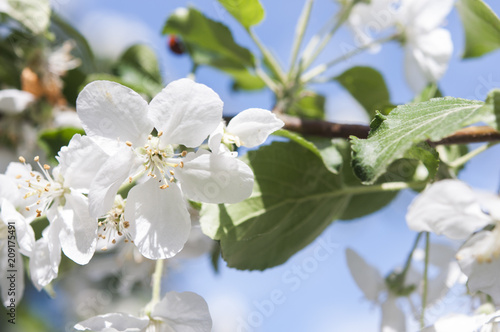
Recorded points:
(409, 258)
(299, 34)
(465, 158)
(425, 285)
(318, 70)
(268, 56)
(387, 186)
(344, 15)
(155, 298)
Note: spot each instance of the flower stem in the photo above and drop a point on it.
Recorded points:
(318, 70)
(425, 281)
(271, 61)
(299, 34)
(157, 274)
(408, 259)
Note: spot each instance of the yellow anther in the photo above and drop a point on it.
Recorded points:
(165, 186)
(36, 159)
(128, 143)
(18, 176)
(184, 153)
(27, 208)
(150, 137)
(181, 164)
(130, 179)
(172, 179)
(172, 172)
(46, 167)
(160, 133)
(21, 159)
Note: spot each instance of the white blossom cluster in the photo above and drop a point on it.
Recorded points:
(427, 46)
(159, 150)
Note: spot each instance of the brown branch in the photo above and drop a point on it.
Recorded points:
(320, 128)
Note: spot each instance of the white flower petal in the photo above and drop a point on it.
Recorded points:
(108, 180)
(78, 233)
(425, 15)
(186, 112)
(253, 126)
(447, 207)
(113, 322)
(14, 101)
(111, 110)
(367, 277)
(80, 161)
(24, 233)
(44, 263)
(215, 138)
(9, 190)
(457, 323)
(184, 312)
(215, 178)
(427, 57)
(393, 318)
(483, 276)
(159, 220)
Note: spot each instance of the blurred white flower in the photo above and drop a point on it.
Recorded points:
(176, 312)
(14, 101)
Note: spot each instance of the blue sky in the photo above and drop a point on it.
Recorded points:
(324, 297)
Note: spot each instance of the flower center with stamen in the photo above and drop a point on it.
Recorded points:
(160, 160)
(40, 191)
(114, 226)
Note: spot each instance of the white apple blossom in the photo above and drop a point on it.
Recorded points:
(369, 19)
(176, 312)
(13, 101)
(248, 128)
(183, 114)
(377, 289)
(428, 48)
(61, 197)
(452, 208)
(448, 207)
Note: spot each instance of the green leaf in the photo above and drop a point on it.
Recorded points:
(322, 148)
(53, 139)
(294, 199)
(368, 87)
(311, 105)
(408, 125)
(208, 36)
(447, 155)
(33, 14)
(364, 204)
(138, 65)
(482, 27)
(247, 12)
(428, 156)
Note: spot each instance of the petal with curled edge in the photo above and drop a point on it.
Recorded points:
(253, 126)
(159, 219)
